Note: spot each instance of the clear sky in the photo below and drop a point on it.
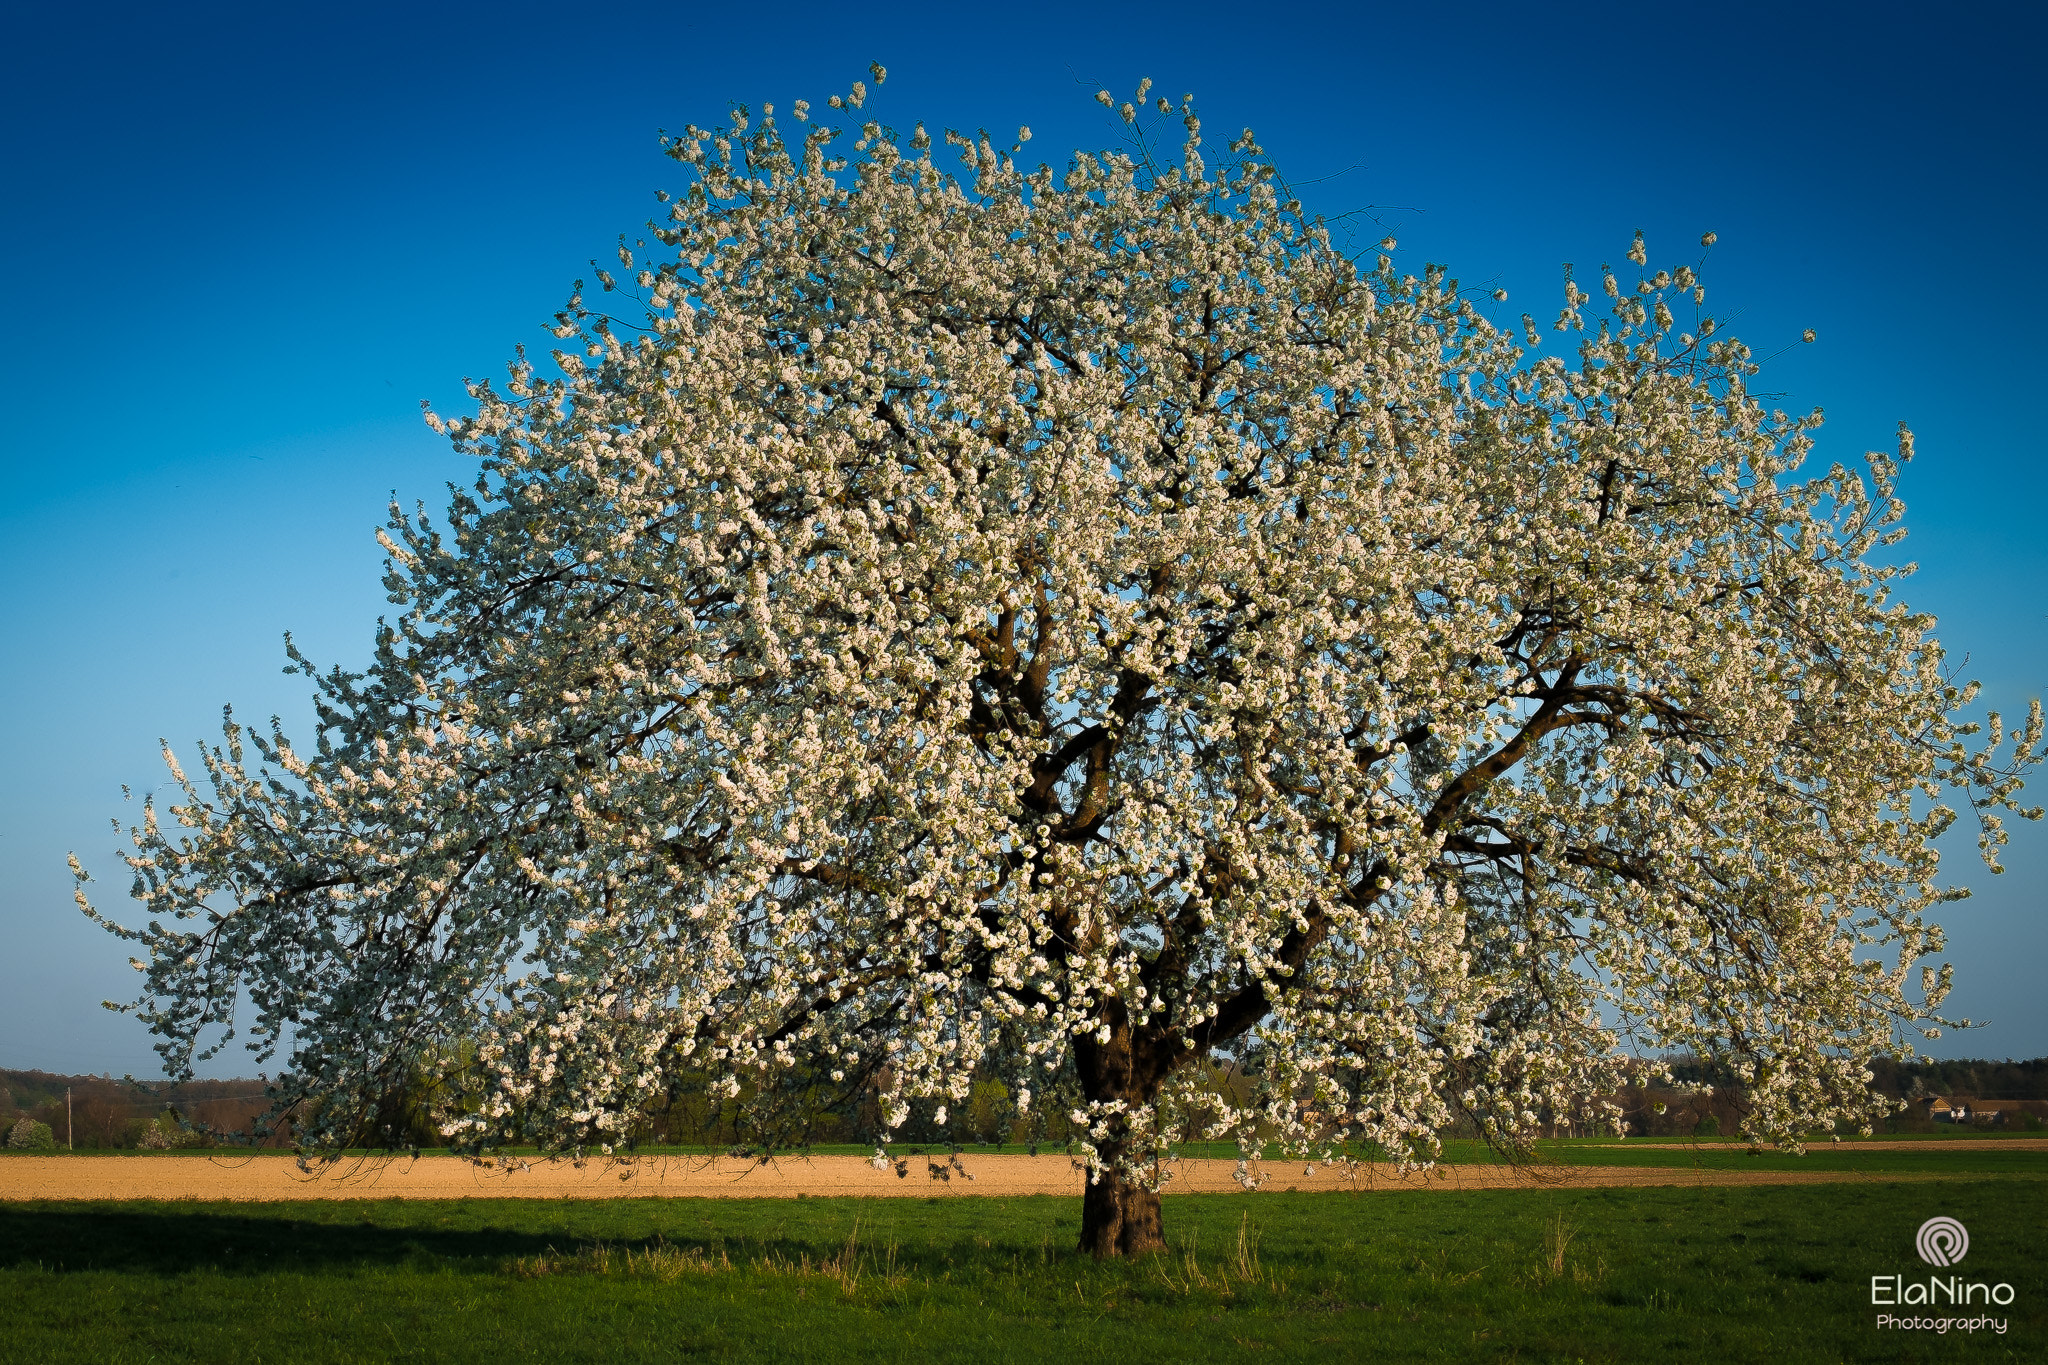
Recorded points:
(242, 244)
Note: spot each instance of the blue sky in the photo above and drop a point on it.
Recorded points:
(243, 244)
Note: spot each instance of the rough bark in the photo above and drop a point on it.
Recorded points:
(1119, 1216)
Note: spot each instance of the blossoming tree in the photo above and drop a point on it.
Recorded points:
(1087, 603)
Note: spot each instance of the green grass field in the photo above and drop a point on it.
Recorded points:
(1700, 1274)
(1925, 1157)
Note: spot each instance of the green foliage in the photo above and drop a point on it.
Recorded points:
(1709, 1126)
(29, 1136)
(989, 1110)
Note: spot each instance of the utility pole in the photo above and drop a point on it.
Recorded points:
(67, 1118)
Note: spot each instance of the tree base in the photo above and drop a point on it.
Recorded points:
(1119, 1218)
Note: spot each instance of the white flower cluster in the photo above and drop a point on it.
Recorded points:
(1086, 604)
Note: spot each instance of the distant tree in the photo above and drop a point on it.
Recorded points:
(1088, 601)
(989, 1111)
(166, 1131)
(27, 1135)
(99, 1120)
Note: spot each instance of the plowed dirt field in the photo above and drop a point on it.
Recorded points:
(440, 1177)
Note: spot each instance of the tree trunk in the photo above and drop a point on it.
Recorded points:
(1119, 1216)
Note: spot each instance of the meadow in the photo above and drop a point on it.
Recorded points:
(1721, 1273)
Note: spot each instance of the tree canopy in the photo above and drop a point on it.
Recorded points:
(1087, 618)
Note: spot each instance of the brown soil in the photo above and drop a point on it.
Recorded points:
(444, 1177)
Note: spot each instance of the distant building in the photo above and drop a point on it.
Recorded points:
(1960, 1109)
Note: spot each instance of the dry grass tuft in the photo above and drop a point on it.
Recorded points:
(659, 1260)
(1240, 1268)
(1555, 1265)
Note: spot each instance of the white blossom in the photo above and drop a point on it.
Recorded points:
(1083, 602)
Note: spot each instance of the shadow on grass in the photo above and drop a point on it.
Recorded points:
(176, 1243)
(172, 1239)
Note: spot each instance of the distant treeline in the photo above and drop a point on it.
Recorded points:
(805, 1110)
(1656, 1110)
(1977, 1079)
(107, 1113)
